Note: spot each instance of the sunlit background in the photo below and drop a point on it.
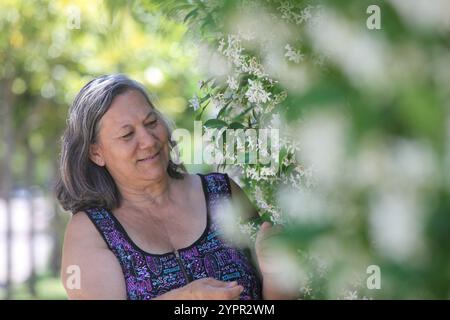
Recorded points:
(359, 93)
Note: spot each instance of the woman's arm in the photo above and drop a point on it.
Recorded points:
(89, 269)
(269, 282)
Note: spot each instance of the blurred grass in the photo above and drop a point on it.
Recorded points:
(47, 288)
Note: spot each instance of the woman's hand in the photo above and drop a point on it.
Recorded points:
(262, 248)
(205, 289)
(270, 270)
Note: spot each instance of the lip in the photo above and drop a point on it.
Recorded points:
(150, 158)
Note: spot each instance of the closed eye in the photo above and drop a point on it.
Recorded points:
(151, 123)
(128, 135)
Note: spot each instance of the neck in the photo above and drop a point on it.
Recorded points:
(157, 194)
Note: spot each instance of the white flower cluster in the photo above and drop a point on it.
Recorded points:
(233, 50)
(311, 15)
(232, 83)
(306, 290)
(253, 67)
(256, 93)
(256, 90)
(302, 177)
(274, 211)
(250, 91)
(353, 295)
(298, 15)
(293, 55)
(250, 229)
(318, 268)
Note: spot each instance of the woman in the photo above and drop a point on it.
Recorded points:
(143, 228)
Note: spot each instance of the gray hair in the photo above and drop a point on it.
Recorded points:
(82, 184)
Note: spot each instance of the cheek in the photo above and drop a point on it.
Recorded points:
(164, 138)
(119, 150)
(163, 135)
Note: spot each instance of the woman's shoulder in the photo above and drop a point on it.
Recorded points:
(81, 231)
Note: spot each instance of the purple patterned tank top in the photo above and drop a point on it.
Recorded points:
(150, 275)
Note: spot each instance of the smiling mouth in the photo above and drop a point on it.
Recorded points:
(151, 157)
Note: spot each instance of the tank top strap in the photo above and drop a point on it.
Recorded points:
(109, 229)
(218, 190)
(131, 261)
(217, 186)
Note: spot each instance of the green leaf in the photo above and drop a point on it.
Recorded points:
(224, 109)
(191, 14)
(215, 123)
(199, 115)
(205, 98)
(236, 125)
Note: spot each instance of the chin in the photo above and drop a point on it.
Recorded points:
(155, 172)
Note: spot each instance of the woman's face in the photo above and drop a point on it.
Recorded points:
(132, 141)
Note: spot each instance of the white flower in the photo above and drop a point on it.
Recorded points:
(286, 10)
(268, 171)
(253, 67)
(351, 295)
(306, 290)
(275, 216)
(255, 92)
(259, 198)
(293, 55)
(233, 50)
(306, 13)
(195, 103)
(249, 229)
(232, 83)
(253, 174)
(285, 6)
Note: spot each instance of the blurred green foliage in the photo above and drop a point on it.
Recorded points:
(49, 49)
(48, 287)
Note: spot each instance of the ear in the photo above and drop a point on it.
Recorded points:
(95, 154)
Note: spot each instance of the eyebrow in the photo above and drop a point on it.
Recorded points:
(146, 117)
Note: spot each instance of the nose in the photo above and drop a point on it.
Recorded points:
(147, 139)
